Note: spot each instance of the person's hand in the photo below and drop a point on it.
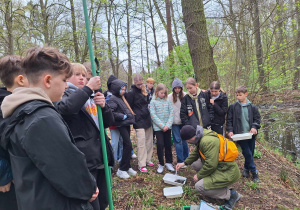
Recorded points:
(212, 101)
(94, 196)
(230, 134)
(99, 99)
(179, 165)
(165, 128)
(196, 178)
(254, 131)
(5, 188)
(94, 83)
(205, 91)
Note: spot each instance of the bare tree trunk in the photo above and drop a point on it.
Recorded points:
(75, 39)
(45, 22)
(175, 25)
(280, 42)
(128, 47)
(258, 45)
(199, 46)
(108, 18)
(116, 29)
(8, 23)
(170, 38)
(297, 48)
(147, 47)
(154, 33)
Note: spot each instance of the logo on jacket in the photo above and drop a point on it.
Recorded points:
(203, 103)
(190, 110)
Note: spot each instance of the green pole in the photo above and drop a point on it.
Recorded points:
(101, 126)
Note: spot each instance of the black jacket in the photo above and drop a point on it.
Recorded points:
(234, 123)
(118, 106)
(220, 108)
(188, 110)
(85, 132)
(139, 104)
(49, 171)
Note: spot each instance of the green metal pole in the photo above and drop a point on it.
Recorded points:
(101, 126)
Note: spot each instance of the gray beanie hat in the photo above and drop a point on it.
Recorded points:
(177, 83)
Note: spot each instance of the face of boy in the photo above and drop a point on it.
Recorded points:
(191, 140)
(150, 85)
(214, 92)
(242, 97)
(78, 79)
(56, 86)
(192, 89)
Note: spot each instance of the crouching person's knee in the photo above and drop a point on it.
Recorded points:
(199, 186)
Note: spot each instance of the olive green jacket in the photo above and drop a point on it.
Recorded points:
(215, 174)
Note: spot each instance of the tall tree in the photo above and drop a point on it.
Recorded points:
(75, 39)
(129, 73)
(281, 42)
(297, 48)
(199, 45)
(170, 38)
(8, 22)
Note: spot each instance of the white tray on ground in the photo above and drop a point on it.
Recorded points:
(174, 179)
(242, 136)
(173, 192)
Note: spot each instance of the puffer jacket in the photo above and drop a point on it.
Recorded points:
(220, 108)
(49, 170)
(215, 174)
(118, 106)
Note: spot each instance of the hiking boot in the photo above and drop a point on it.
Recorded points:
(150, 163)
(255, 177)
(170, 167)
(143, 169)
(160, 169)
(122, 174)
(245, 173)
(234, 197)
(131, 172)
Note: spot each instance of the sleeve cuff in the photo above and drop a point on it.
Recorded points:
(88, 90)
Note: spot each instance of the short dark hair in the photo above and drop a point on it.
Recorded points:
(215, 85)
(10, 67)
(241, 89)
(46, 59)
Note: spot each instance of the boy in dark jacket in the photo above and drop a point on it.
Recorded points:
(78, 109)
(49, 171)
(244, 117)
(12, 76)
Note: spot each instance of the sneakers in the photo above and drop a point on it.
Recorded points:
(170, 167)
(143, 169)
(150, 163)
(234, 197)
(122, 174)
(131, 172)
(160, 169)
(133, 156)
(255, 177)
(245, 173)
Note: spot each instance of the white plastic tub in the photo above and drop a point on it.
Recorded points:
(242, 136)
(174, 179)
(173, 192)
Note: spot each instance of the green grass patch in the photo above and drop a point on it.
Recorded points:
(252, 185)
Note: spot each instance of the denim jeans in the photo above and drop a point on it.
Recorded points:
(181, 146)
(248, 147)
(117, 144)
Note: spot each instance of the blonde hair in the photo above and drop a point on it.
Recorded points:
(138, 78)
(191, 81)
(150, 80)
(160, 87)
(78, 67)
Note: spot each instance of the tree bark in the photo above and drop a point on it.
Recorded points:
(45, 22)
(174, 23)
(128, 47)
(258, 45)
(170, 39)
(280, 43)
(75, 39)
(199, 46)
(147, 47)
(8, 23)
(108, 18)
(116, 29)
(297, 48)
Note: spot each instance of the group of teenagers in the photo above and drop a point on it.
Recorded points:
(50, 148)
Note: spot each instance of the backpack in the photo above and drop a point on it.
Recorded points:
(228, 150)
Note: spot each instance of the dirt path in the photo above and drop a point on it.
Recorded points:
(145, 191)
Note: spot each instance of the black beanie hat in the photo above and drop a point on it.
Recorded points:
(187, 132)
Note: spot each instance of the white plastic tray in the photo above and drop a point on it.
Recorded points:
(171, 179)
(173, 192)
(242, 136)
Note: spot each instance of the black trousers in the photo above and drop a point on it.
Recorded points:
(101, 201)
(8, 200)
(217, 128)
(127, 147)
(164, 143)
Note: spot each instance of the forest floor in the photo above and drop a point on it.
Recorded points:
(279, 186)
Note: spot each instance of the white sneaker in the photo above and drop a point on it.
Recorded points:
(170, 167)
(133, 156)
(131, 172)
(160, 169)
(122, 174)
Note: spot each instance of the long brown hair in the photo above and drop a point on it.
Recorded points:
(175, 95)
(138, 78)
(160, 87)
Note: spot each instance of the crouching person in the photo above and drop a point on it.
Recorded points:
(213, 176)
